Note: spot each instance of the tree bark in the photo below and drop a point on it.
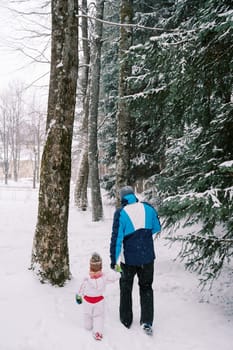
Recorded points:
(123, 114)
(50, 256)
(95, 63)
(81, 200)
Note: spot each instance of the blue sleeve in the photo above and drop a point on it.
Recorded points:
(152, 219)
(114, 238)
(156, 223)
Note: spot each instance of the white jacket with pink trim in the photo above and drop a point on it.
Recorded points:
(94, 286)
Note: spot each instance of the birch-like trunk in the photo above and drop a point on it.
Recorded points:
(81, 200)
(50, 256)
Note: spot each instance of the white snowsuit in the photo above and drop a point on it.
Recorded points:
(92, 289)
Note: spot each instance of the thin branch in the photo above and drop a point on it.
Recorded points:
(35, 59)
(22, 13)
(34, 81)
(126, 25)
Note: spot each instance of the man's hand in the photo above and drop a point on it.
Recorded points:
(116, 267)
(112, 266)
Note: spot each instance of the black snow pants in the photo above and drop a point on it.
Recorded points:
(145, 274)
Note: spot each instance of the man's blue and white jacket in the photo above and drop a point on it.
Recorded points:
(133, 227)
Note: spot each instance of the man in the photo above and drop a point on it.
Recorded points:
(134, 225)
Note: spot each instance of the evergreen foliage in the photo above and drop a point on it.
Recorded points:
(196, 183)
(181, 98)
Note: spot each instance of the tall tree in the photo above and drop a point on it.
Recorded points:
(123, 144)
(50, 257)
(95, 63)
(108, 95)
(81, 200)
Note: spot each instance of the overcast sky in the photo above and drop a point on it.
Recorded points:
(9, 58)
(13, 64)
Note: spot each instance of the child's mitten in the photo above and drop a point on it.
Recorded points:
(79, 299)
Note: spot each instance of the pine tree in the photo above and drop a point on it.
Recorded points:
(180, 97)
(196, 185)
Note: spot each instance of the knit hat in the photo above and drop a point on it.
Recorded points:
(126, 190)
(95, 263)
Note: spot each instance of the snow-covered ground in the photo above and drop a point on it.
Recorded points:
(35, 316)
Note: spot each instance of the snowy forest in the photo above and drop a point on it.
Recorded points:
(141, 93)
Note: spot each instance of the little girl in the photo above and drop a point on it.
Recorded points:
(92, 293)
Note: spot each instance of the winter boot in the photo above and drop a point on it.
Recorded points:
(98, 336)
(147, 328)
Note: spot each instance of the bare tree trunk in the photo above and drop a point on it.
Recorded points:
(5, 148)
(95, 63)
(123, 115)
(12, 118)
(82, 181)
(81, 200)
(50, 257)
(37, 127)
(15, 118)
